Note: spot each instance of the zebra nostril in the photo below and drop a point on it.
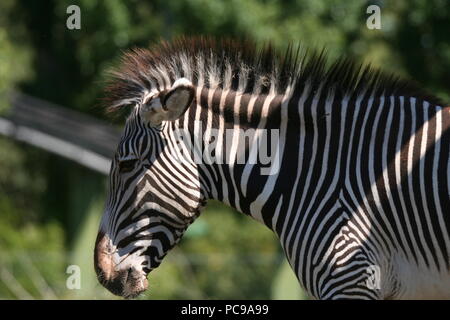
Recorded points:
(129, 273)
(103, 264)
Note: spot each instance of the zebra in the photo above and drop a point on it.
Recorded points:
(360, 199)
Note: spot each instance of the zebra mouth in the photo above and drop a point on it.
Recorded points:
(134, 285)
(128, 282)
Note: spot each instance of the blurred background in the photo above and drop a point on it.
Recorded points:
(55, 142)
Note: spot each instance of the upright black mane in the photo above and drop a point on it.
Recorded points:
(242, 65)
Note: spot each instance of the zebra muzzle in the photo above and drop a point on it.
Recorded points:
(127, 282)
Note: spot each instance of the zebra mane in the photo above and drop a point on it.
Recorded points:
(240, 65)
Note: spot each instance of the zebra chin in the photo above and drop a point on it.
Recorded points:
(128, 282)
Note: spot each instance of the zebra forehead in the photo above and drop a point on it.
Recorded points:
(242, 65)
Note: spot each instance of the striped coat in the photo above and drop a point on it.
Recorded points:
(357, 187)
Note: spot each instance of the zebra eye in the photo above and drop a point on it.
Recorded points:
(127, 165)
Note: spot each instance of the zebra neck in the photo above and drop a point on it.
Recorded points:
(296, 119)
(227, 123)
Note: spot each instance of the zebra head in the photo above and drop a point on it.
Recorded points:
(151, 201)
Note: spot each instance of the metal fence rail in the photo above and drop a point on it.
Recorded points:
(70, 134)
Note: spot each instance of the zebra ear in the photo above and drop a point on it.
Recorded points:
(171, 104)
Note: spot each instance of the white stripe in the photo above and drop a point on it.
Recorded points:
(427, 213)
(439, 212)
(411, 144)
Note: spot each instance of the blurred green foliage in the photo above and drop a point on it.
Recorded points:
(49, 207)
(15, 56)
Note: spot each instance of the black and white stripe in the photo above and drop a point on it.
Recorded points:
(364, 175)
